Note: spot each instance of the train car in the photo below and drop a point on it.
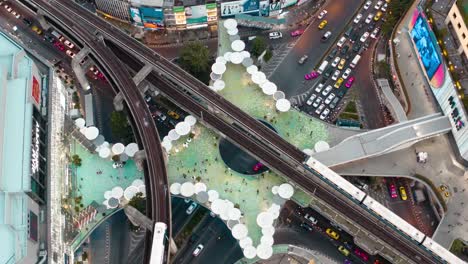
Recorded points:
(335, 179)
(157, 247)
(444, 255)
(396, 221)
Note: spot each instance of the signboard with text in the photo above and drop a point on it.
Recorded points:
(239, 7)
(136, 16)
(196, 14)
(36, 92)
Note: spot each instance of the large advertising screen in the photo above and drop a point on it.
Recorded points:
(196, 14)
(153, 18)
(426, 46)
(135, 15)
(239, 7)
(36, 91)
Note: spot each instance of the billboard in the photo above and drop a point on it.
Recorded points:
(264, 8)
(239, 7)
(426, 46)
(153, 18)
(179, 15)
(36, 91)
(136, 16)
(196, 14)
(211, 12)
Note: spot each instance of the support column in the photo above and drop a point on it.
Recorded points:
(118, 102)
(137, 218)
(78, 69)
(142, 73)
(139, 157)
(40, 17)
(172, 246)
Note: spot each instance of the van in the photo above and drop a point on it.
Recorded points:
(349, 31)
(355, 61)
(322, 67)
(56, 34)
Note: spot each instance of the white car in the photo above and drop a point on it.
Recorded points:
(70, 53)
(327, 90)
(311, 99)
(322, 14)
(341, 42)
(335, 62)
(346, 73)
(357, 18)
(375, 33)
(325, 114)
(275, 35)
(369, 18)
(336, 74)
(197, 250)
(330, 98)
(319, 109)
(367, 5)
(319, 88)
(384, 7)
(69, 44)
(378, 5)
(191, 208)
(364, 37)
(317, 102)
(311, 219)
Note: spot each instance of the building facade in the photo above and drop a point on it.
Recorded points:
(118, 9)
(456, 18)
(23, 154)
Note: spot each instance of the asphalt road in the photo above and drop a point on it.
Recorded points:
(339, 13)
(179, 214)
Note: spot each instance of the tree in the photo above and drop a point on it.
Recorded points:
(76, 160)
(138, 202)
(195, 58)
(259, 45)
(120, 127)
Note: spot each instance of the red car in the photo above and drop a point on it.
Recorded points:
(297, 33)
(350, 82)
(393, 191)
(363, 255)
(59, 46)
(257, 166)
(312, 75)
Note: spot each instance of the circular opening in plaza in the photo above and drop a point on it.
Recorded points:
(239, 160)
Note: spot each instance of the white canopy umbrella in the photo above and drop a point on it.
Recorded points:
(167, 145)
(202, 197)
(234, 37)
(235, 214)
(118, 148)
(227, 56)
(191, 120)
(130, 192)
(247, 61)
(264, 219)
(217, 205)
(173, 135)
(252, 69)
(80, 122)
(250, 252)
(142, 189)
(286, 191)
(230, 23)
(245, 242)
(200, 187)
(269, 88)
(231, 223)
(236, 58)
(224, 214)
(113, 202)
(123, 157)
(267, 240)
(279, 95)
(107, 194)
(308, 151)
(218, 85)
(99, 140)
(283, 105)
(233, 32)
(131, 149)
(221, 59)
(175, 188)
(275, 207)
(92, 133)
(268, 231)
(274, 190)
(245, 54)
(138, 183)
(187, 189)
(214, 76)
(166, 139)
(104, 153)
(213, 195)
(218, 68)
(117, 192)
(239, 231)
(321, 146)
(83, 130)
(238, 45)
(264, 251)
(182, 128)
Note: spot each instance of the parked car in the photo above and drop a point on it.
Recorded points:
(357, 18)
(297, 32)
(378, 16)
(384, 7)
(319, 87)
(329, 98)
(335, 62)
(173, 114)
(197, 250)
(341, 42)
(403, 195)
(327, 90)
(191, 208)
(392, 190)
(70, 53)
(319, 109)
(324, 113)
(375, 32)
(360, 253)
(275, 35)
(378, 5)
(322, 14)
(369, 18)
(311, 99)
(343, 250)
(350, 82)
(364, 37)
(336, 74)
(257, 166)
(311, 219)
(312, 75)
(338, 83)
(332, 233)
(27, 21)
(307, 227)
(69, 44)
(367, 4)
(323, 24)
(356, 47)
(317, 102)
(346, 73)
(341, 64)
(334, 102)
(303, 59)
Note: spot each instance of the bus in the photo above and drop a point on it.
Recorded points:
(157, 247)
(322, 67)
(355, 61)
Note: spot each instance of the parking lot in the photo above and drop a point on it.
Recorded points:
(336, 71)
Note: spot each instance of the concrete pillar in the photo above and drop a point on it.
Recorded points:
(78, 69)
(172, 246)
(41, 19)
(138, 158)
(118, 102)
(142, 73)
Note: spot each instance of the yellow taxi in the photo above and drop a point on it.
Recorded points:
(37, 30)
(342, 63)
(343, 250)
(338, 83)
(173, 114)
(403, 195)
(322, 24)
(388, 1)
(378, 16)
(333, 234)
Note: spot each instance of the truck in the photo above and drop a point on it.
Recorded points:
(55, 34)
(322, 67)
(355, 61)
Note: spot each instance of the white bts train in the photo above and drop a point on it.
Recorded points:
(157, 247)
(374, 207)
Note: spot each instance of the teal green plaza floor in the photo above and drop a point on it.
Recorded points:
(91, 186)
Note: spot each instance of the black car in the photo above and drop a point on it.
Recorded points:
(306, 227)
(327, 73)
(341, 93)
(344, 50)
(333, 53)
(49, 38)
(353, 38)
(371, 27)
(349, 32)
(357, 47)
(27, 22)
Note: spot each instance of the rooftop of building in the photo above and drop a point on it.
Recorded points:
(463, 7)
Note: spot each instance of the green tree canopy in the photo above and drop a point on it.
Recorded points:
(120, 127)
(138, 202)
(259, 45)
(195, 59)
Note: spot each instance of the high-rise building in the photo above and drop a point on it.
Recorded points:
(456, 17)
(115, 8)
(23, 154)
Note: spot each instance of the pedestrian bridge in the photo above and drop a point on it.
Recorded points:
(384, 140)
